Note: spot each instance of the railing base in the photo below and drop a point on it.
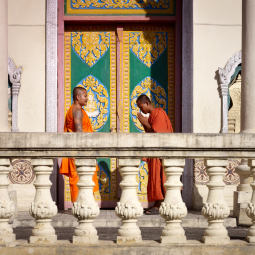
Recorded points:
(216, 240)
(173, 239)
(85, 239)
(52, 239)
(129, 239)
(7, 239)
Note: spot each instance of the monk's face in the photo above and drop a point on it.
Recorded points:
(144, 107)
(83, 98)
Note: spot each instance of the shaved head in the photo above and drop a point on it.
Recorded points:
(143, 99)
(78, 91)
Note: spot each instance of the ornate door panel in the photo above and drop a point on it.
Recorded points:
(90, 62)
(148, 68)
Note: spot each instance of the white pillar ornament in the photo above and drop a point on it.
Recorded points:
(43, 208)
(173, 209)
(129, 209)
(250, 210)
(7, 207)
(216, 209)
(85, 209)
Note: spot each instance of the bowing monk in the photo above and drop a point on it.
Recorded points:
(76, 120)
(158, 122)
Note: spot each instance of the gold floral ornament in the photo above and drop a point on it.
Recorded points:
(90, 46)
(148, 46)
(154, 91)
(97, 106)
(121, 4)
(104, 184)
(142, 178)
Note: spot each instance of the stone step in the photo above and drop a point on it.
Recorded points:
(108, 218)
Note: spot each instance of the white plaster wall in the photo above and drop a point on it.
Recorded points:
(26, 42)
(217, 36)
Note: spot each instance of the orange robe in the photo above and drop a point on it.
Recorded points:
(160, 123)
(68, 165)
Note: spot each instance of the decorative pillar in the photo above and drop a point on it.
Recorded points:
(7, 207)
(4, 126)
(250, 210)
(224, 102)
(43, 208)
(129, 209)
(173, 209)
(216, 209)
(85, 209)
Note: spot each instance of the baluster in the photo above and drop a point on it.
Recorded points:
(250, 210)
(7, 207)
(173, 209)
(43, 208)
(215, 209)
(85, 208)
(129, 209)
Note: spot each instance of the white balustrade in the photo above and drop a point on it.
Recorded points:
(250, 210)
(43, 208)
(215, 209)
(173, 209)
(85, 208)
(129, 209)
(7, 207)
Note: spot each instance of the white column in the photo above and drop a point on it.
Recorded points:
(250, 210)
(129, 209)
(4, 127)
(248, 63)
(43, 208)
(85, 209)
(224, 102)
(7, 206)
(173, 209)
(216, 209)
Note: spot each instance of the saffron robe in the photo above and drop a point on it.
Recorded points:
(160, 123)
(68, 164)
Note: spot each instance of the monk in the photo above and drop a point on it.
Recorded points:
(158, 122)
(76, 120)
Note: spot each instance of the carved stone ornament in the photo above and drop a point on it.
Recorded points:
(43, 210)
(215, 211)
(7, 209)
(128, 211)
(85, 210)
(173, 211)
(14, 73)
(250, 211)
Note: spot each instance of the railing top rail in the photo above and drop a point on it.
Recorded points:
(126, 145)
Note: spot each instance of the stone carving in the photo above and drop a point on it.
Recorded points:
(127, 211)
(43, 210)
(7, 209)
(224, 79)
(83, 209)
(250, 211)
(215, 211)
(173, 211)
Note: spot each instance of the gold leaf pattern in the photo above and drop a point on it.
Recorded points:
(122, 4)
(142, 178)
(90, 46)
(154, 91)
(148, 46)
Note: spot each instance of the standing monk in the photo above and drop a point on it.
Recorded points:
(158, 122)
(76, 120)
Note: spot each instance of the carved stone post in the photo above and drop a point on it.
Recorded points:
(85, 208)
(7, 206)
(129, 209)
(173, 209)
(250, 210)
(224, 103)
(43, 208)
(216, 209)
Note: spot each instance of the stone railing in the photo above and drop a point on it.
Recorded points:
(173, 149)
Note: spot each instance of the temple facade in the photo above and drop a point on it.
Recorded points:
(185, 55)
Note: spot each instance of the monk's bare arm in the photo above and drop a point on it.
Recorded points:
(78, 115)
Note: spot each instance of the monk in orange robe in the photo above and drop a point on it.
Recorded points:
(158, 122)
(76, 120)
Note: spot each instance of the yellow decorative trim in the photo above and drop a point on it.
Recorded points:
(126, 82)
(114, 7)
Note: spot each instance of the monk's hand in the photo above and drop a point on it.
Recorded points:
(144, 121)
